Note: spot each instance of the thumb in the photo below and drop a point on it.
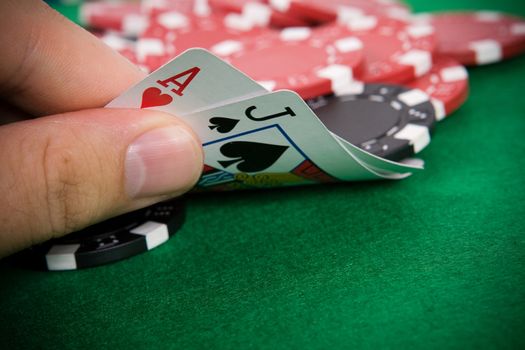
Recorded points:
(64, 172)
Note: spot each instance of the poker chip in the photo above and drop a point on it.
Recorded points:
(296, 59)
(447, 85)
(340, 10)
(257, 12)
(153, 7)
(124, 17)
(389, 121)
(123, 46)
(477, 38)
(394, 51)
(109, 241)
(173, 32)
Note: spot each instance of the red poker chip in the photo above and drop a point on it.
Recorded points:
(446, 83)
(258, 12)
(122, 45)
(477, 38)
(299, 59)
(126, 18)
(195, 7)
(153, 62)
(394, 51)
(340, 10)
(172, 32)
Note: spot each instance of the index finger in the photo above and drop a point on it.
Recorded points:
(50, 65)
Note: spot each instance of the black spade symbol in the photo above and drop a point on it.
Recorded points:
(251, 156)
(223, 125)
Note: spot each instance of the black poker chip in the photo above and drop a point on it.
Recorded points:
(390, 121)
(108, 241)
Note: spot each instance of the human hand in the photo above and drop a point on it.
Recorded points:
(70, 164)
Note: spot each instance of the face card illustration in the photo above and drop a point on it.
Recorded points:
(265, 157)
(261, 150)
(193, 81)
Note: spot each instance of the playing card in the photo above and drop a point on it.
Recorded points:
(263, 141)
(383, 167)
(192, 81)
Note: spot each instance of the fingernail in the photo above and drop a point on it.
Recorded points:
(162, 161)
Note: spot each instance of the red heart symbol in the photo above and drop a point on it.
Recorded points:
(152, 97)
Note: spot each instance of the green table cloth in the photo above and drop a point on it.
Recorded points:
(433, 261)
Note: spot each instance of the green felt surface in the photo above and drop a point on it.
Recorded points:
(433, 261)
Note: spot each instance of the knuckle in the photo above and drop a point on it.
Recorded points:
(68, 192)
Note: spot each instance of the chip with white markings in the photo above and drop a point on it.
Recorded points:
(389, 121)
(109, 241)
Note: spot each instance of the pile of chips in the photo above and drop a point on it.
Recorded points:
(371, 70)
